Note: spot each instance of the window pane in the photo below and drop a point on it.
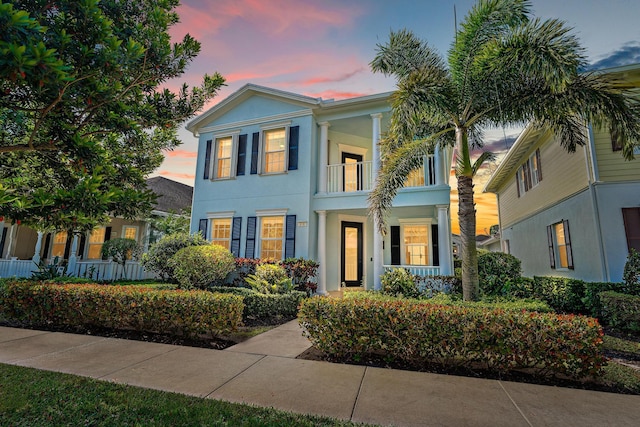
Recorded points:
(274, 147)
(130, 232)
(59, 243)
(274, 162)
(563, 259)
(351, 171)
(96, 239)
(275, 140)
(350, 253)
(416, 245)
(223, 157)
(221, 232)
(271, 237)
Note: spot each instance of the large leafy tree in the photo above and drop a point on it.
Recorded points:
(504, 67)
(84, 108)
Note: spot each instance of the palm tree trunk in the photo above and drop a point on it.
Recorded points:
(467, 221)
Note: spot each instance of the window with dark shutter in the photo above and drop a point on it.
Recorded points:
(517, 184)
(434, 244)
(567, 241)
(242, 154)
(236, 230)
(250, 247)
(202, 227)
(255, 146)
(395, 244)
(538, 165)
(290, 237)
(631, 219)
(616, 141)
(294, 132)
(207, 160)
(552, 255)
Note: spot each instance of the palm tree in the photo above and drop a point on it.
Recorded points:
(504, 68)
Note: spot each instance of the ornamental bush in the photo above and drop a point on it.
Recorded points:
(270, 279)
(176, 312)
(201, 266)
(266, 308)
(564, 294)
(621, 311)
(417, 333)
(496, 270)
(399, 282)
(157, 258)
(302, 273)
(631, 274)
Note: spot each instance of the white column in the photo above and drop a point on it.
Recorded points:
(444, 241)
(324, 157)
(378, 268)
(73, 257)
(322, 252)
(36, 252)
(11, 233)
(147, 236)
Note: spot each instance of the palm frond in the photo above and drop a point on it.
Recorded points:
(486, 156)
(404, 54)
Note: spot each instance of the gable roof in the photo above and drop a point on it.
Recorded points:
(173, 196)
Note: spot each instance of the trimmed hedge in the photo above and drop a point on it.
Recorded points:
(189, 313)
(264, 307)
(621, 311)
(563, 294)
(420, 333)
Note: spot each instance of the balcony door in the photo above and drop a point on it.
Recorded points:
(352, 172)
(351, 253)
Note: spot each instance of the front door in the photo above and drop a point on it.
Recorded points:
(352, 254)
(352, 172)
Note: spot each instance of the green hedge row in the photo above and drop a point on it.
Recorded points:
(265, 307)
(621, 311)
(189, 313)
(419, 333)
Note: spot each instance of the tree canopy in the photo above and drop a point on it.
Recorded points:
(504, 67)
(85, 111)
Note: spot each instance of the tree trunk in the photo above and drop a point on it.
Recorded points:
(467, 220)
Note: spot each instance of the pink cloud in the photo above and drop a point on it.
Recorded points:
(181, 153)
(339, 78)
(176, 174)
(333, 94)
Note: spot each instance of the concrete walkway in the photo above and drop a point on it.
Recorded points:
(263, 371)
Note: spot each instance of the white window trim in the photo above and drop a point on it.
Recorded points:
(221, 214)
(124, 228)
(234, 155)
(210, 227)
(262, 152)
(417, 221)
(272, 212)
(352, 149)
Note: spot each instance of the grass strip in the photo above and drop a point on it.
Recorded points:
(30, 397)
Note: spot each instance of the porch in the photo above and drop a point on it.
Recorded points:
(94, 270)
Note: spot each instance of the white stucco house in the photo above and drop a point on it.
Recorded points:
(573, 215)
(285, 175)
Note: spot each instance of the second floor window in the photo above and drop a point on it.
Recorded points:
(223, 156)
(529, 174)
(275, 146)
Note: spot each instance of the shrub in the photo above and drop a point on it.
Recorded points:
(270, 279)
(563, 294)
(432, 285)
(266, 308)
(419, 333)
(496, 270)
(302, 273)
(631, 275)
(399, 282)
(591, 299)
(157, 258)
(621, 311)
(200, 266)
(188, 313)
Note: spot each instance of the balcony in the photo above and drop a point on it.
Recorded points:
(359, 176)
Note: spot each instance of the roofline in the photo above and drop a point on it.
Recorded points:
(497, 177)
(384, 96)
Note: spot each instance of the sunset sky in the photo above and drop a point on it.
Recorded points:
(322, 48)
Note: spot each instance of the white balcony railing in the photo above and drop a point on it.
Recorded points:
(418, 270)
(358, 176)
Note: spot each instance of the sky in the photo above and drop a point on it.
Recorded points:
(322, 48)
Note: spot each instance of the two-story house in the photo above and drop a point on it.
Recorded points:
(574, 215)
(284, 175)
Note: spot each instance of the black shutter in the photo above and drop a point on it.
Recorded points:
(249, 250)
(567, 241)
(242, 154)
(83, 241)
(395, 244)
(255, 144)
(434, 244)
(552, 255)
(67, 246)
(527, 176)
(517, 184)
(290, 237)
(47, 243)
(207, 160)
(235, 236)
(202, 227)
(539, 165)
(294, 133)
(616, 141)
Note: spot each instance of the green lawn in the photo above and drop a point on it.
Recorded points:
(29, 397)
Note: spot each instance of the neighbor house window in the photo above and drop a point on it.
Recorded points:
(416, 244)
(223, 158)
(631, 218)
(130, 232)
(274, 149)
(59, 243)
(96, 240)
(221, 232)
(529, 174)
(271, 237)
(559, 240)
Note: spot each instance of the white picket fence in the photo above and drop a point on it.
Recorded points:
(94, 270)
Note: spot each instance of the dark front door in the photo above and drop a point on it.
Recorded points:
(352, 172)
(351, 253)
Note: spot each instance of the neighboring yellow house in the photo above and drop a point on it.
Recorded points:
(574, 215)
(21, 243)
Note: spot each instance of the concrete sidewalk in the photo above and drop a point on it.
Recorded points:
(263, 371)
